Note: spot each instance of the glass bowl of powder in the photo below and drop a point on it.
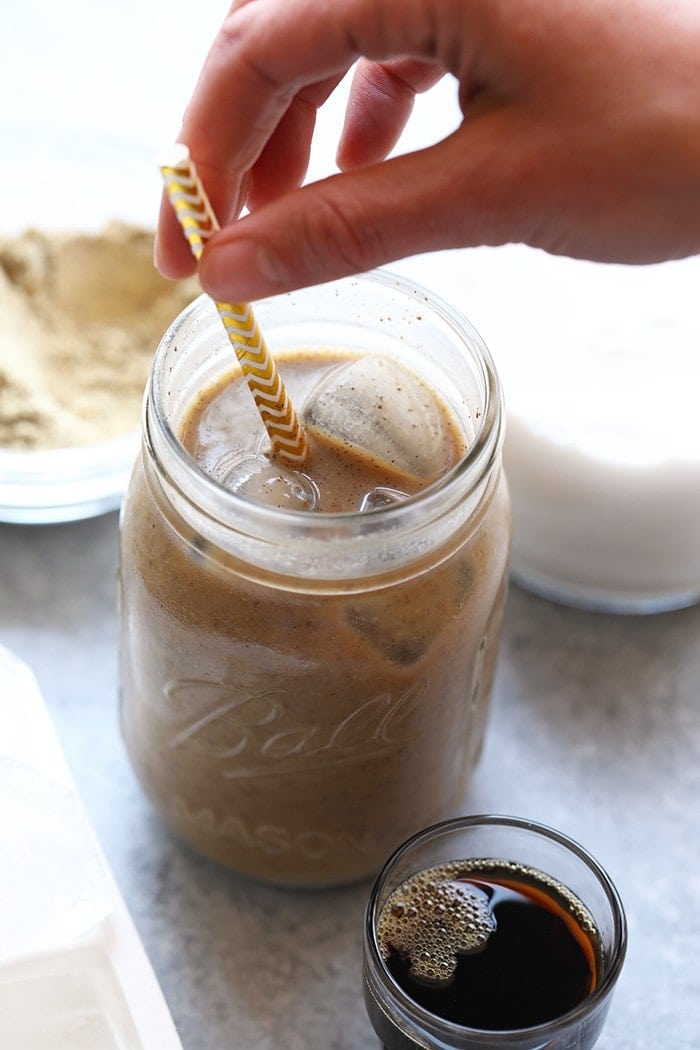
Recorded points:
(82, 310)
(81, 313)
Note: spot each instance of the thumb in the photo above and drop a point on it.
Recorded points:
(352, 222)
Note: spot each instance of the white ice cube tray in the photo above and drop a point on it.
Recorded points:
(73, 971)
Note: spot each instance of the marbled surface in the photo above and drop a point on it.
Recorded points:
(595, 729)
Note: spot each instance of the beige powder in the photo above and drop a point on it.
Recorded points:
(80, 318)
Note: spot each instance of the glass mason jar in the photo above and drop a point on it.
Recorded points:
(301, 691)
(507, 845)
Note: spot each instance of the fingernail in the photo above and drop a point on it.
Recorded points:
(241, 271)
(156, 251)
(161, 263)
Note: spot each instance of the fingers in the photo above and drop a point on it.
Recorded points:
(267, 53)
(574, 148)
(268, 64)
(380, 103)
(284, 159)
(281, 167)
(364, 218)
(172, 254)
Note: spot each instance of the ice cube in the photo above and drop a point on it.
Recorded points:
(401, 644)
(43, 831)
(381, 496)
(257, 478)
(65, 1000)
(398, 622)
(378, 405)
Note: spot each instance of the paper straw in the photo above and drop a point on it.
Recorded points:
(198, 222)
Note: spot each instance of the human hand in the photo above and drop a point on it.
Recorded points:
(581, 135)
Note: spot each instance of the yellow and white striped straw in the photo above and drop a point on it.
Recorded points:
(198, 222)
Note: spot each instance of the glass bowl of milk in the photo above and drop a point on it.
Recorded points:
(601, 371)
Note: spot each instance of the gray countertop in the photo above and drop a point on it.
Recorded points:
(595, 729)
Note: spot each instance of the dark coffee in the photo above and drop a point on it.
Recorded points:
(490, 945)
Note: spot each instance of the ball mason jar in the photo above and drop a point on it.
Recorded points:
(302, 691)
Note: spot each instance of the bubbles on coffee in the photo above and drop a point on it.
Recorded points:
(254, 476)
(380, 407)
(519, 949)
(431, 919)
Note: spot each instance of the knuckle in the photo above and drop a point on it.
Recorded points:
(238, 39)
(341, 236)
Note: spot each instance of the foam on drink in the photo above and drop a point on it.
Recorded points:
(431, 919)
(490, 944)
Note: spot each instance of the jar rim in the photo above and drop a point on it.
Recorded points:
(227, 506)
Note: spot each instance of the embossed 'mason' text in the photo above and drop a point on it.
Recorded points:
(271, 840)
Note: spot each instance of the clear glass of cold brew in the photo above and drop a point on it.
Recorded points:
(304, 684)
(491, 933)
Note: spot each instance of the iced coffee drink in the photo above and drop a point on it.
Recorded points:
(307, 652)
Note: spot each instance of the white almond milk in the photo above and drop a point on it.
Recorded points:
(601, 370)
